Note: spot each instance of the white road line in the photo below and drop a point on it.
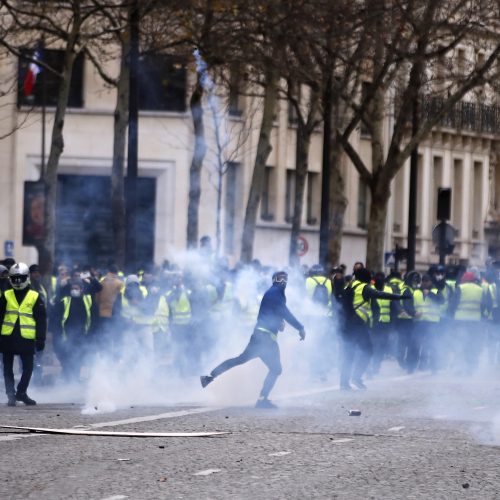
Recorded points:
(194, 411)
(116, 497)
(150, 418)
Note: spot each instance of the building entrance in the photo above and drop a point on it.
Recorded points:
(84, 230)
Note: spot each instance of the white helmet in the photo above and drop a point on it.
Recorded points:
(19, 276)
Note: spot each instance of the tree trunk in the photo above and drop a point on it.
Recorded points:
(118, 166)
(200, 149)
(376, 227)
(338, 205)
(47, 252)
(302, 165)
(264, 148)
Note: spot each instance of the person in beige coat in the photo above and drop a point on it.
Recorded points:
(108, 305)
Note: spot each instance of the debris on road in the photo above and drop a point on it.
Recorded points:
(206, 472)
(76, 432)
(354, 413)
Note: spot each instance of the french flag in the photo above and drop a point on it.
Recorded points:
(31, 74)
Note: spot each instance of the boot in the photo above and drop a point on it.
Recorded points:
(25, 399)
(265, 403)
(205, 380)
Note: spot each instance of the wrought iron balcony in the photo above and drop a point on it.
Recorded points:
(464, 115)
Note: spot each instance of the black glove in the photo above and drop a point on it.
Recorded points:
(39, 345)
(302, 334)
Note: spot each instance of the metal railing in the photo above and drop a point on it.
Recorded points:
(464, 115)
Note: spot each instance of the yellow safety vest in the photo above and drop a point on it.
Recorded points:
(402, 312)
(222, 307)
(469, 307)
(428, 308)
(23, 313)
(143, 290)
(385, 307)
(361, 306)
(180, 309)
(135, 314)
(160, 321)
(492, 290)
(87, 301)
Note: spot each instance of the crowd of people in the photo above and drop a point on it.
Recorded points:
(438, 320)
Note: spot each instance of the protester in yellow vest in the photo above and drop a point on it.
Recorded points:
(427, 300)
(469, 306)
(186, 349)
(73, 321)
(493, 316)
(356, 333)
(382, 324)
(137, 316)
(323, 350)
(23, 329)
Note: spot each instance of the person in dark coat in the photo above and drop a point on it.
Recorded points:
(72, 322)
(23, 329)
(263, 343)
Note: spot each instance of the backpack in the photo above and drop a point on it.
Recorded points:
(321, 294)
(347, 301)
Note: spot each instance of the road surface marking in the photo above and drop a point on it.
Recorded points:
(206, 472)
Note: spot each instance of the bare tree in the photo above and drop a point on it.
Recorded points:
(419, 34)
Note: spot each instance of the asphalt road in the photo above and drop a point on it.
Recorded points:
(417, 437)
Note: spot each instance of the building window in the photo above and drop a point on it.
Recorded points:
(45, 90)
(162, 83)
(268, 197)
(313, 198)
(362, 204)
(235, 99)
(291, 177)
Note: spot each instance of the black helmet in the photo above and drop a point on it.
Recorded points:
(280, 277)
(317, 270)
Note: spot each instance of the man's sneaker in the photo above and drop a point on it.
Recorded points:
(11, 401)
(265, 403)
(345, 387)
(205, 380)
(359, 384)
(25, 399)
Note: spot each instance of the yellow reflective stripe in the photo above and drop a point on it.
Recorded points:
(273, 335)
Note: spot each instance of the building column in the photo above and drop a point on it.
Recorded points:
(426, 203)
(465, 213)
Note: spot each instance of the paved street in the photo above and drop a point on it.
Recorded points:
(417, 437)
